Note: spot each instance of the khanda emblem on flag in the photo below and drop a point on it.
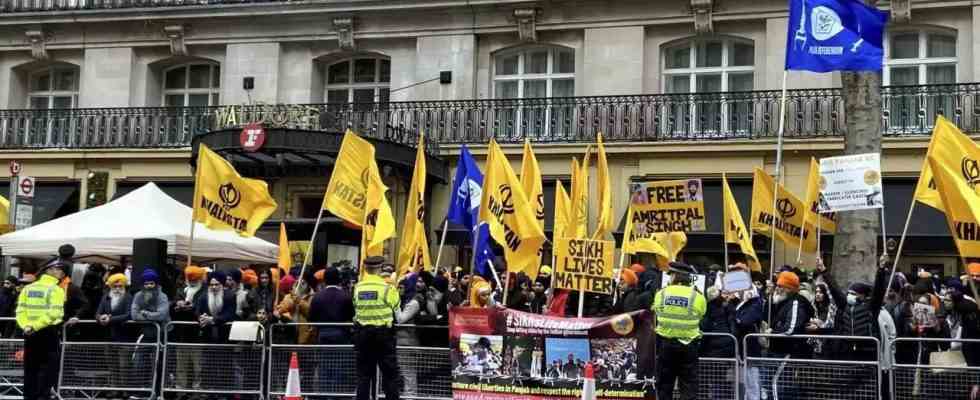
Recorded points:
(229, 195)
(971, 171)
(785, 208)
(506, 200)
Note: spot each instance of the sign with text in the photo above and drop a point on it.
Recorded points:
(850, 183)
(25, 216)
(668, 206)
(584, 265)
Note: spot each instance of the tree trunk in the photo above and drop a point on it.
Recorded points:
(856, 241)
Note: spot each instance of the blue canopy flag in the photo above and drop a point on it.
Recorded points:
(834, 35)
(464, 209)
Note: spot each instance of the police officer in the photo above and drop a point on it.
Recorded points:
(679, 308)
(375, 304)
(40, 310)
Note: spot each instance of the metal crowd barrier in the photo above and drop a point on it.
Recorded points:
(427, 371)
(783, 376)
(89, 369)
(11, 362)
(719, 376)
(919, 380)
(194, 364)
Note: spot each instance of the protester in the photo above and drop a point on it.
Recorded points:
(113, 312)
(538, 296)
(791, 313)
(215, 312)
(332, 305)
(183, 310)
(264, 292)
(295, 306)
(858, 316)
(245, 302)
(749, 314)
(435, 314)
(8, 303)
(480, 295)
(151, 308)
(40, 311)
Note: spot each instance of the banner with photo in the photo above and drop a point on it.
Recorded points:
(502, 354)
(849, 183)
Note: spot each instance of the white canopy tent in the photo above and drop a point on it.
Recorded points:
(106, 232)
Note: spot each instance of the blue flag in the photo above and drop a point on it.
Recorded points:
(464, 208)
(834, 35)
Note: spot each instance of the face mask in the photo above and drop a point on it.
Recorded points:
(852, 299)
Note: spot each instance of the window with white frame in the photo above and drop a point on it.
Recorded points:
(919, 57)
(359, 79)
(54, 87)
(192, 85)
(926, 57)
(534, 72)
(709, 66)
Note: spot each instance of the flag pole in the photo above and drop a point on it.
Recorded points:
(442, 243)
(309, 248)
(901, 244)
(775, 188)
(476, 239)
(197, 178)
(581, 301)
(726, 222)
(884, 234)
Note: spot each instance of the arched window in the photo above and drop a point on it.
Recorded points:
(533, 72)
(192, 85)
(921, 57)
(53, 87)
(707, 70)
(358, 79)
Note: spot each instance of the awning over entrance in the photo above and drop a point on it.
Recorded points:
(306, 153)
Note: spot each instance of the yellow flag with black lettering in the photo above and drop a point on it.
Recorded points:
(949, 147)
(531, 181)
(562, 211)
(605, 221)
(787, 218)
(962, 207)
(346, 194)
(510, 215)
(378, 224)
(637, 240)
(827, 221)
(735, 231)
(413, 254)
(225, 200)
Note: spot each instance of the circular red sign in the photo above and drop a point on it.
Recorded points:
(26, 186)
(15, 167)
(252, 137)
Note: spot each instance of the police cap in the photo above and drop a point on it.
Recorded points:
(681, 268)
(374, 261)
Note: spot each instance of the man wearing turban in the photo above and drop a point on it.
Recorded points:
(188, 360)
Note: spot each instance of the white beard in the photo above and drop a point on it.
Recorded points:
(215, 302)
(114, 299)
(190, 291)
(241, 301)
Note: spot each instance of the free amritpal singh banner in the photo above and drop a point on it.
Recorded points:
(950, 147)
(413, 254)
(787, 218)
(356, 194)
(531, 181)
(224, 200)
(827, 221)
(510, 215)
(735, 231)
(962, 206)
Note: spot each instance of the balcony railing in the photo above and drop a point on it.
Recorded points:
(816, 113)
(12, 6)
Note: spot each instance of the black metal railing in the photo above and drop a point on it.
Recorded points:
(812, 113)
(16, 6)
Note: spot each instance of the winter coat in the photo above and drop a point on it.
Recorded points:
(158, 312)
(857, 320)
(748, 315)
(217, 332)
(406, 316)
(332, 305)
(719, 318)
(790, 318)
(969, 316)
(185, 333)
(118, 331)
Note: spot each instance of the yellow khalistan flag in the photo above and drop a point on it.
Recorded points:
(788, 214)
(735, 231)
(509, 214)
(580, 197)
(962, 208)
(413, 254)
(346, 193)
(285, 256)
(605, 221)
(827, 222)
(637, 242)
(225, 200)
(562, 211)
(950, 147)
(379, 223)
(531, 181)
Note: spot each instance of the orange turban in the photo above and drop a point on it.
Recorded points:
(628, 277)
(194, 273)
(788, 280)
(637, 269)
(319, 275)
(250, 278)
(973, 268)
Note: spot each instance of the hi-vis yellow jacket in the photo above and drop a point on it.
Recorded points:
(41, 304)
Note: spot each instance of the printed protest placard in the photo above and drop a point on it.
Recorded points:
(668, 206)
(584, 265)
(850, 183)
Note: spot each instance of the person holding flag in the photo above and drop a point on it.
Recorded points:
(464, 209)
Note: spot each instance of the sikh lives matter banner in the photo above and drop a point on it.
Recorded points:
(502, 354)
(584, 265)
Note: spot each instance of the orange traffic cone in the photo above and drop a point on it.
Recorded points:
(293, 391)
(588, 383)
